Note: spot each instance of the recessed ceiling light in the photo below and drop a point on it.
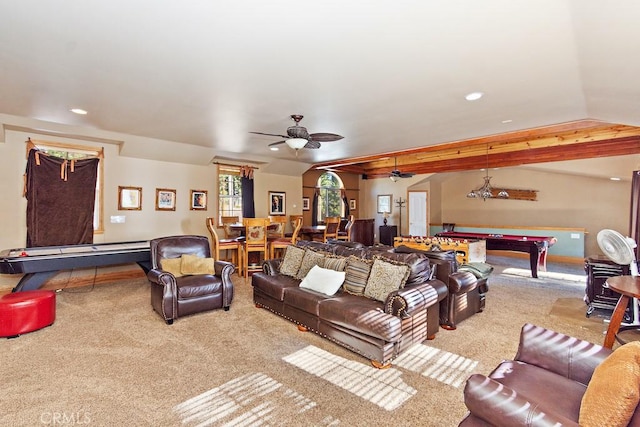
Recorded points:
(273, 148)
(474, 96)
(507, 121)
(614, 178)
(78, 111)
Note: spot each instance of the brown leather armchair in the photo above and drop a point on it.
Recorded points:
(175, 295)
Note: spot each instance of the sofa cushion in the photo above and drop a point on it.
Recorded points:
(193, 264)
(357, 273)
(362, 315)
(273, 286)
(613, 392)
(385, 277)
(334, 262)
(323, 280)
(291, 261)
(172, 265)
(310, 259)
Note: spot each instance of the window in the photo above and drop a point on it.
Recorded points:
(229, 193)
(72, 151)
(330, 201)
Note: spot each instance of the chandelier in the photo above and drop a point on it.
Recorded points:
(486, 190)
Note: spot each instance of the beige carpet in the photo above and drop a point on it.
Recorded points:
(110, 360)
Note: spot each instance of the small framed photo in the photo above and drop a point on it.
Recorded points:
(352, 204)
(277, 201)
(129, 198)
(165, 199)
(198, 200)
(305, 204)
(384, 203)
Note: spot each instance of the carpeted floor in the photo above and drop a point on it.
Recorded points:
(110, 360)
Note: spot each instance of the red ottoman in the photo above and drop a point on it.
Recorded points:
(27, 311)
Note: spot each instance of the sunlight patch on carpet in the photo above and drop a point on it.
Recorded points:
(448, 368)
(382, 387)
(249, 400)
(524, 272)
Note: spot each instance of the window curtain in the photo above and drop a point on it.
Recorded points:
(246, 181)
(60, 199)
(346, 202)
(314, 207)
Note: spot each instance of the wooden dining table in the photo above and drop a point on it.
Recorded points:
(309, 231)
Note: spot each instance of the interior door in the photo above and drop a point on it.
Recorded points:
(418, 218)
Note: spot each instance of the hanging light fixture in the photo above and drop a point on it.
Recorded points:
(296, 143)
(486, 190)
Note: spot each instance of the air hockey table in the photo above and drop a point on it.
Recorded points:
(39, 264)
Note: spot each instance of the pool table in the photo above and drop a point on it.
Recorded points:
(535, 246)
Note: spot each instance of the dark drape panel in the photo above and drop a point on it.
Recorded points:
(314, 207)
(634, 218)
(60, 200)
(346, 203)
(248, 203)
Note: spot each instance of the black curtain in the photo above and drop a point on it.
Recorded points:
(248, 204)
(60, 200)
(346, 203)
(314, 207)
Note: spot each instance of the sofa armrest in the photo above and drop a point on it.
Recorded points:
(271, 266)
(223, 269)
(564, 355)
(502, 406)
(462, 282)
(407, 301)
(161, 277)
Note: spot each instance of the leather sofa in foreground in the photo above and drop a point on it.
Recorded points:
(377, 330)
(557, 380)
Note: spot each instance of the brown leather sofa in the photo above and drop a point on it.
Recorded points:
(378, 331)
(467, 293)
(173, 297)
(543, 386)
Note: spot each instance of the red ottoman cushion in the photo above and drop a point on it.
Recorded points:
(27, 311)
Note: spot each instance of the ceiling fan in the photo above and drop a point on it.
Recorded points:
(297, 136)
(396, 174)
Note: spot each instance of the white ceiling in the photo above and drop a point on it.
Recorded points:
(387, 75)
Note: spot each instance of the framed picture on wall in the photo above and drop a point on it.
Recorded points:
(384, 203)
(305, 204)
(198, 200)
(129, 198)
(352, 204)
(277, 202)
(165, 199)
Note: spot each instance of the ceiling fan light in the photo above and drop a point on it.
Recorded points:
(393, 178)
(503, 194)
(296, 143)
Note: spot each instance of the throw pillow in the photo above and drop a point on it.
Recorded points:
(192, 264)
(291, 262)
(171, 265)
(613, 392)
(334, 262)
(385, 277)
(309, 259)
(323, 280)
(356, 274)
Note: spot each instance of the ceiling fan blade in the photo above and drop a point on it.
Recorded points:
(270, 134)
(273, 144)
(312, 144)
(325, 137)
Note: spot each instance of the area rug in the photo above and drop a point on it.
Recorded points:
(110, 360)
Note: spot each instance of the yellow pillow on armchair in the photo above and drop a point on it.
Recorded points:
(192, 264)
(614, 390)
(172, 265)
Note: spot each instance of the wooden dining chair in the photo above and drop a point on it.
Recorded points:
(277, 224)
(346, 234)
(255, 242)
(230, 233)
(282, 243)
(332, 223)
(292, 222)
(233, 245)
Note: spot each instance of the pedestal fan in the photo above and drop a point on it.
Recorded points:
(620, 249)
